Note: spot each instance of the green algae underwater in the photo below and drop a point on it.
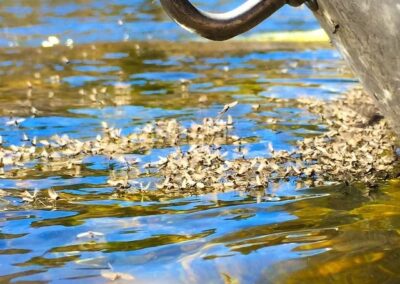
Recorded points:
(77, 68)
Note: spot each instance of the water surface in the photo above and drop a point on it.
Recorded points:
(127, 64)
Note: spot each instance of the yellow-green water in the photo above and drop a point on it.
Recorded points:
(134, 59)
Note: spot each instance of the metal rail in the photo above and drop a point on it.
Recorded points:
(223, 26)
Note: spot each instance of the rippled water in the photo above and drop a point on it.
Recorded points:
(288, 233)
(28, 22)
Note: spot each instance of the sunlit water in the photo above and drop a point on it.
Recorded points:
(285, 234)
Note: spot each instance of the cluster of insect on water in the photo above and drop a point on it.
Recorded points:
(353, 149)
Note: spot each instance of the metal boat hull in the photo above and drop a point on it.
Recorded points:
(367, 33)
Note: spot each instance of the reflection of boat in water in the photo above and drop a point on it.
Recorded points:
(366, 32)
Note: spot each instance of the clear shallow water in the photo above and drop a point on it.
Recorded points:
(289, 233)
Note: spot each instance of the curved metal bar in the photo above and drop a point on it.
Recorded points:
(225, 25)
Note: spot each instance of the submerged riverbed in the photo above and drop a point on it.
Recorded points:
(125, 65)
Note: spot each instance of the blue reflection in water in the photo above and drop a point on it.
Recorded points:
(100, 21)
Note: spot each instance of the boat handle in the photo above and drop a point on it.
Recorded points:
(223, 26)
